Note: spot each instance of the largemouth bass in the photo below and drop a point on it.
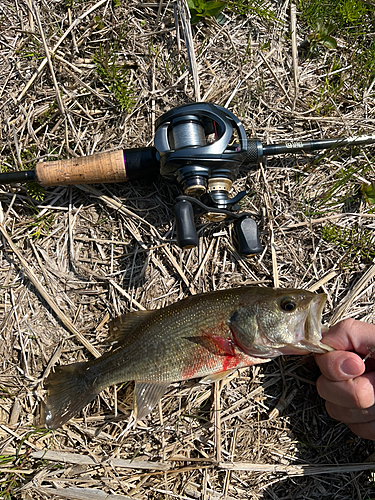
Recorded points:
(205, 335)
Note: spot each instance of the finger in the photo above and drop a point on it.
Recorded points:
(357, 393)
(350, 415)
(365, 431)
(340, 365)
(351, 335)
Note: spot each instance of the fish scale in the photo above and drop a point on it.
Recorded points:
(204, 335)
(159, 355)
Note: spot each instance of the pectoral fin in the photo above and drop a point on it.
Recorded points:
(146, 397)
(225, 345)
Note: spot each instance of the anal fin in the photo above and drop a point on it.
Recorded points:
(146, 397)
(215, 377)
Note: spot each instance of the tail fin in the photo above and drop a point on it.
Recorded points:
(69, 390)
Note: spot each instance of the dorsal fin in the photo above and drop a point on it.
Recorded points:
(122, 326)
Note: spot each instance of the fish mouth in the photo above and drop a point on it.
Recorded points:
(301, 333)
(310, 332)
(312, 328)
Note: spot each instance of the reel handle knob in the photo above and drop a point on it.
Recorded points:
(186, 233)
(247, 236)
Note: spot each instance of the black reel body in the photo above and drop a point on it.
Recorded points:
(202, 146)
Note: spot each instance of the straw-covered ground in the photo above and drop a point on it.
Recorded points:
(73, 258)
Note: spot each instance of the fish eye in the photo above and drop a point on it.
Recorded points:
(287, 305)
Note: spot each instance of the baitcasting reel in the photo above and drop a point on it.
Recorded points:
(196, 146)
(202, 147)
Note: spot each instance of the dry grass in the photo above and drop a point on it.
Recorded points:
(87, 254)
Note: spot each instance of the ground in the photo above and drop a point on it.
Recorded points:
(74, 257)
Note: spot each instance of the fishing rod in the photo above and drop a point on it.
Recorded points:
(201, 146)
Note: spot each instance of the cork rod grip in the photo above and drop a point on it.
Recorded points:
(103, 167)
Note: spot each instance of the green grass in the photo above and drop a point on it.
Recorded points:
(35, 191)
(342, 191)
(357, 242)
(343, 188)
(115, 75)
(204, 8)
(12, 477)
(351, 21)
(42, 225)
(368, 191)
(200, 9)
(30, 48)
(10, 480)
(345, 15)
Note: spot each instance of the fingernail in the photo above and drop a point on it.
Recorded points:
(350, 367)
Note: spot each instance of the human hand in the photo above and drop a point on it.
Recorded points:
(347, 382)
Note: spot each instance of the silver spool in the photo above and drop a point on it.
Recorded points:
(187, 132)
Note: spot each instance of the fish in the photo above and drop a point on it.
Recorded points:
(206, 335)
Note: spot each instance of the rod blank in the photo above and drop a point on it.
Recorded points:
(307, 146)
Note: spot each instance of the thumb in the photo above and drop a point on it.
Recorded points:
(340, 365)
(351, 335)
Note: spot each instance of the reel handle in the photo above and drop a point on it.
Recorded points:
(185, 226)
(246, 230)
(247, 236)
